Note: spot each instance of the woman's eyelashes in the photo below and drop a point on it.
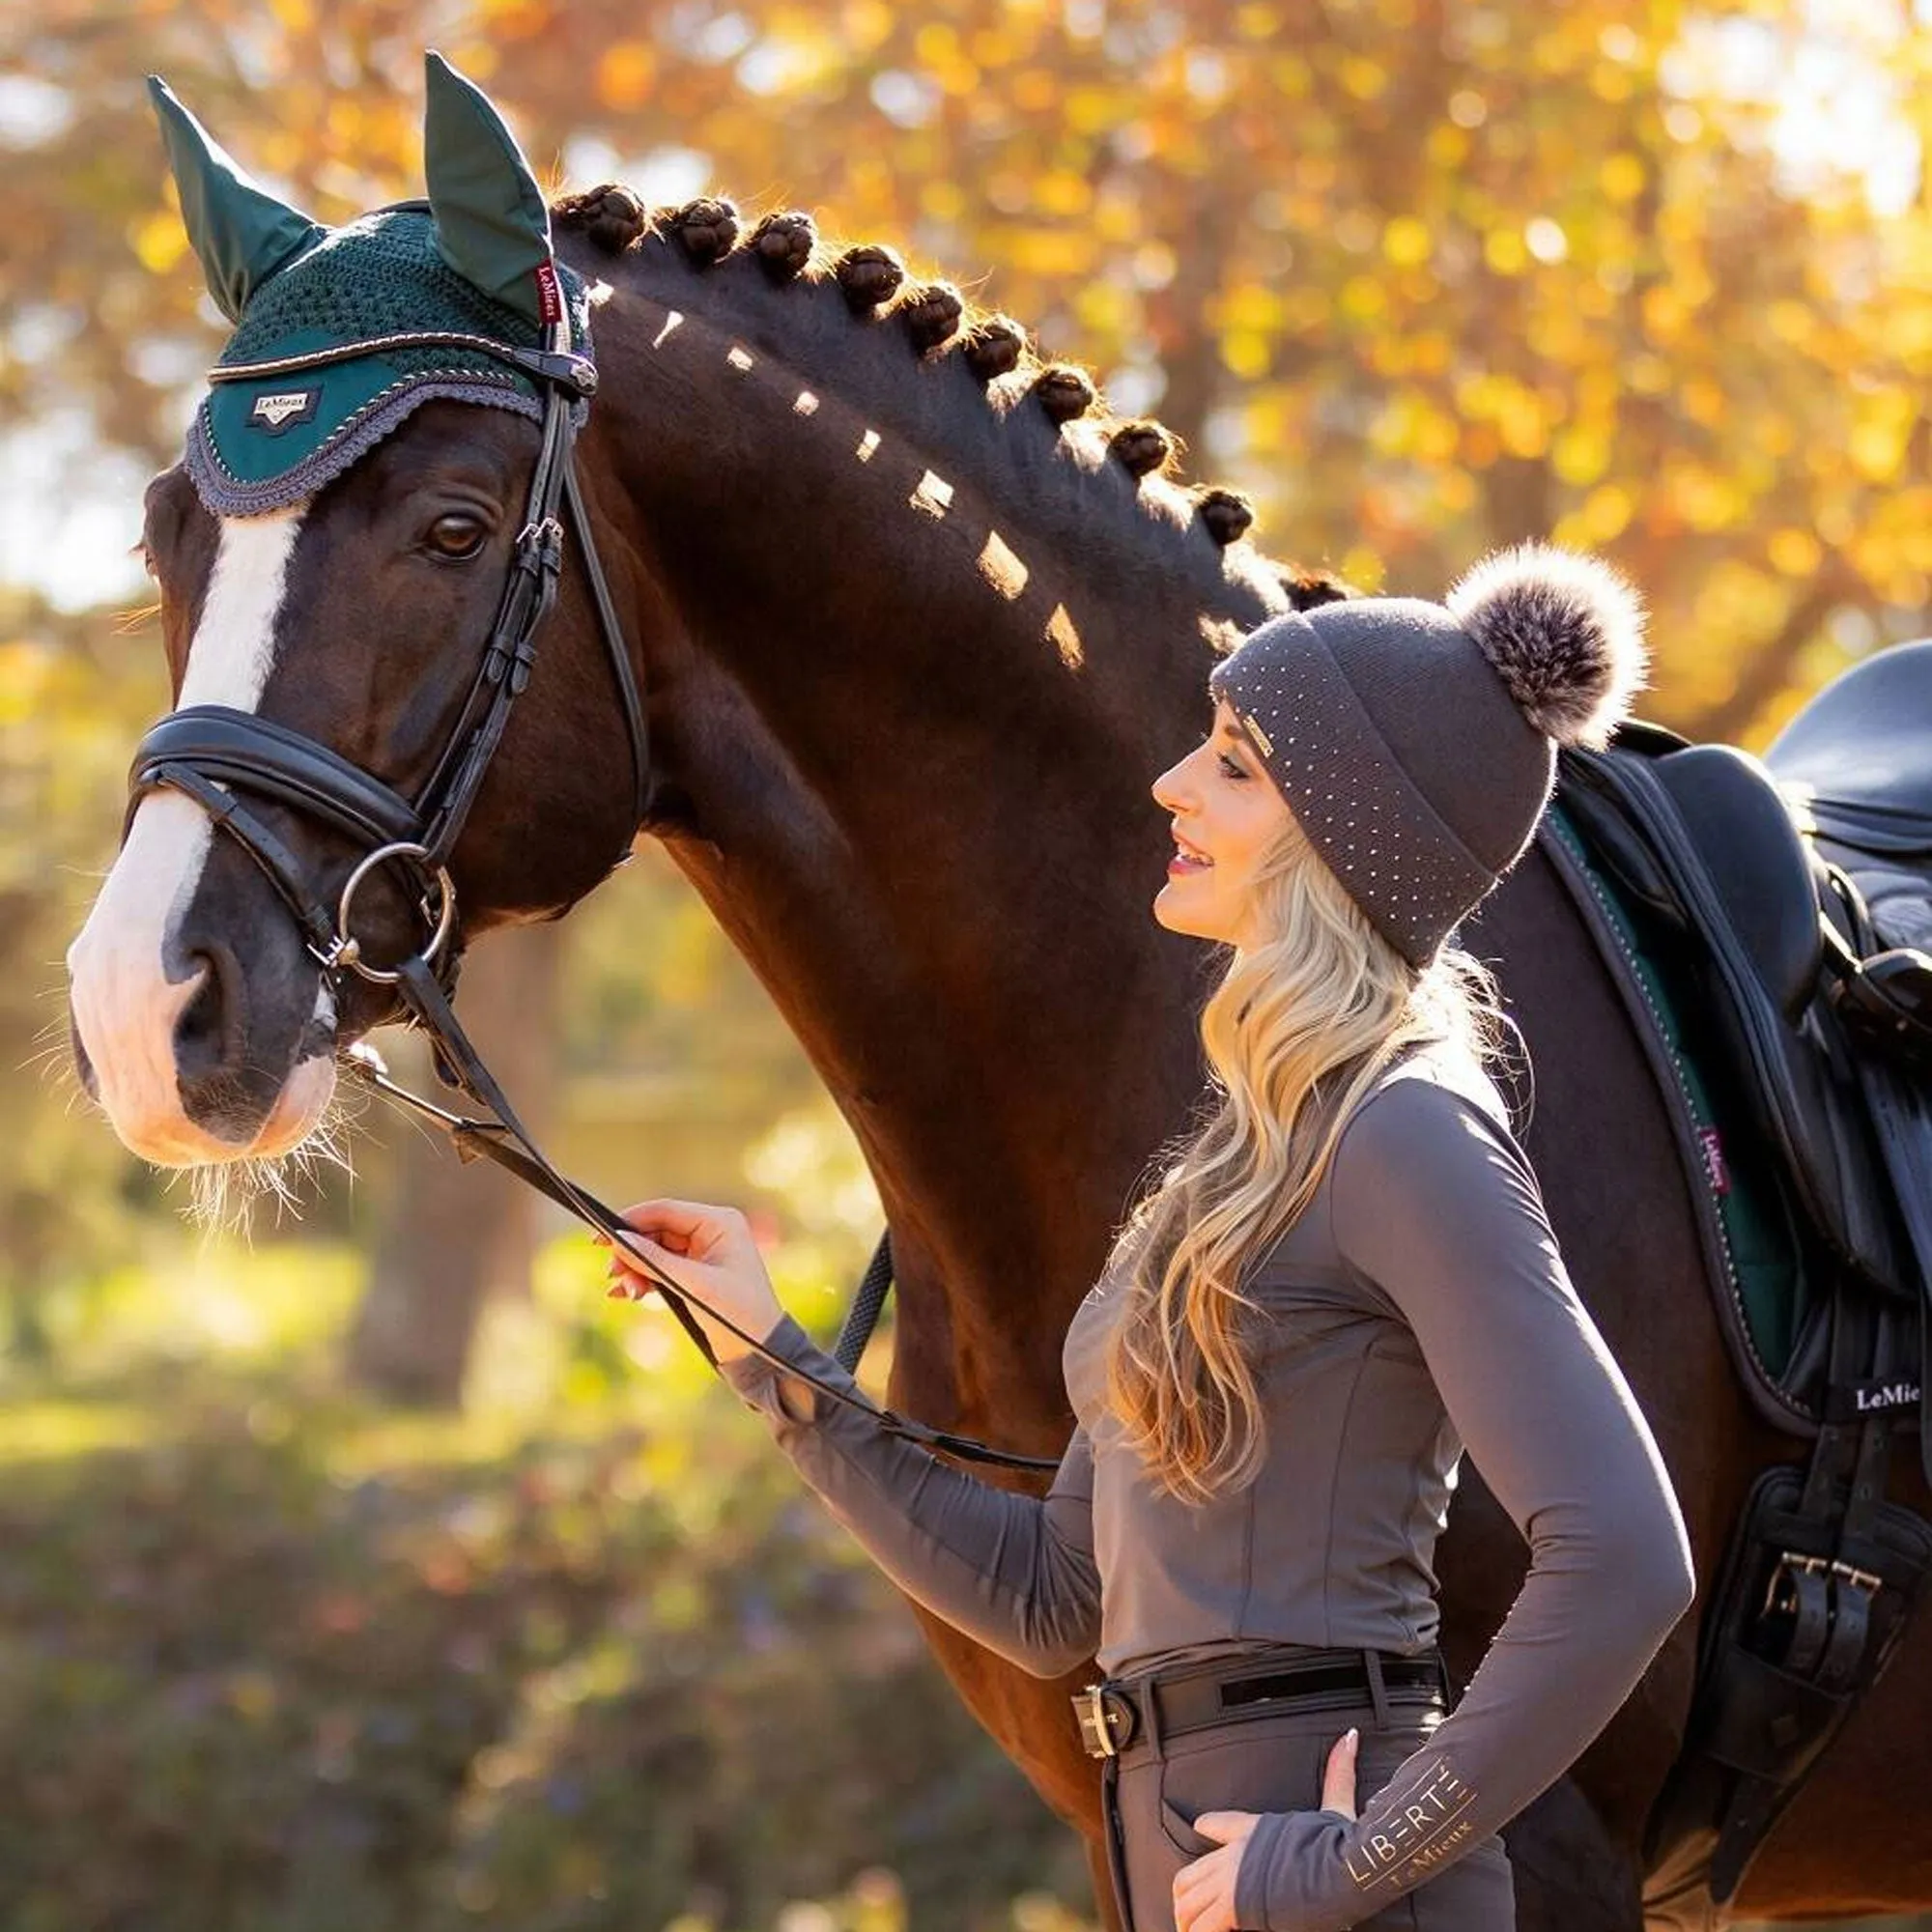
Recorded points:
(1233, 770)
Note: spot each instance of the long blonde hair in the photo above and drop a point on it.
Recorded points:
(1296, 1031)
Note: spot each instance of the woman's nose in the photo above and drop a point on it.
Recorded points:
(1163, 788)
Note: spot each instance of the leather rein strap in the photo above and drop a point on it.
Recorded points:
(212, 752)
(503, 1139)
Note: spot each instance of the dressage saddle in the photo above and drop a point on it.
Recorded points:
(1769, 923)
(1777, 928)
(1856, 765)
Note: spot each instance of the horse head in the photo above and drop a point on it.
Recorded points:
(354, 570)
(923, 617)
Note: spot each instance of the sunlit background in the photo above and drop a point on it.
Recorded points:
(371, 1569)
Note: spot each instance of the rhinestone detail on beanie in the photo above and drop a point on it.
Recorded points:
(1404, 866)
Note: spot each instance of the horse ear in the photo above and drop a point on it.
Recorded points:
(491, 223)
(242, 233)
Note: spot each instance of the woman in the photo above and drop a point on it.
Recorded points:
(1344, 1278)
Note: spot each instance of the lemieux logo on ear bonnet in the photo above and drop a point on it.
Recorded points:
(474, 258)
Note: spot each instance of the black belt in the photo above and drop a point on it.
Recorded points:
(1116, 1710)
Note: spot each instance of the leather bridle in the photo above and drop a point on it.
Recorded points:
(211, 750)
(220, 757)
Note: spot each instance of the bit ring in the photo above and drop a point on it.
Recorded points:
(348, 949)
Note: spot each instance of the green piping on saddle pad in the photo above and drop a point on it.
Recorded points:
(1765, 1254)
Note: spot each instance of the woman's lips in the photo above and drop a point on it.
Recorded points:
(1185, 862)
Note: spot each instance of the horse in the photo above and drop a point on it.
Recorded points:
(916, 618)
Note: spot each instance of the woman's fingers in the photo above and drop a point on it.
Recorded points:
(636, 1261)
(677, 1222)
(1338, 1776)
(662, 1211)
(697, 1231)
(667, 1242)
(706, 1254)
(628, 1281)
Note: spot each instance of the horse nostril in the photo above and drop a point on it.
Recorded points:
(201, 1032)
(83, 1067)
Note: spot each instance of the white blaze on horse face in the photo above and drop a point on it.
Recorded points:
(234, 647)
(124, 1004)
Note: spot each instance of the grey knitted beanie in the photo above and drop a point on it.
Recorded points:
(1416, 742)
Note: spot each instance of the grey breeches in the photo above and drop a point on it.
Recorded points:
(1156, 1788)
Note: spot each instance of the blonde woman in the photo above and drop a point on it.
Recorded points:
(1343, 1279)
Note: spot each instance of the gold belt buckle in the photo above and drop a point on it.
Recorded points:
(1097, 1718)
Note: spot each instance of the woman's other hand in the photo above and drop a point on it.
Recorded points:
(1204, 1890)
(708, 1250)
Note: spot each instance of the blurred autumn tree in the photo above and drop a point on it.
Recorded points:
(1649, 277)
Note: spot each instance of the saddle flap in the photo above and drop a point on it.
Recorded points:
(1701, 836)
(1741, 826)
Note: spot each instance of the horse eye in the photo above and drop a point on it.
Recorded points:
(457, 536)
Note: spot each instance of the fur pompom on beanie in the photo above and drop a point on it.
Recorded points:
(1416, 742)
(1564, 633)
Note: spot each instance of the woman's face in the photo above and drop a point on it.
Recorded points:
(1226, 813)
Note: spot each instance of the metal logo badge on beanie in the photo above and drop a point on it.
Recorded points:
(1416, 742)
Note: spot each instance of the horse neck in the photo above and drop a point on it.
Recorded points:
(921, 676)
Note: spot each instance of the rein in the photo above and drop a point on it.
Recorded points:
(212, 752)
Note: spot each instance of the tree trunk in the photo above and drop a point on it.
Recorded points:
(1188, 342)
(452, 1233)
(1772, 665)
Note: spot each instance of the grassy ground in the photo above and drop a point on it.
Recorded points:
(584, 1656)
(277, 1660)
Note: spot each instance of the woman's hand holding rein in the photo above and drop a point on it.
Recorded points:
(708, 1250)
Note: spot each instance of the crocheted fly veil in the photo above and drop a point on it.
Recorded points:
(471, 264)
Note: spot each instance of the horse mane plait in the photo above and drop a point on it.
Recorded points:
(873, 279)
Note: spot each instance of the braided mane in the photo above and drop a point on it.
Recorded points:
(938, 321)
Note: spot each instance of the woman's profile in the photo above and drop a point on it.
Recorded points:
(1341, 1278)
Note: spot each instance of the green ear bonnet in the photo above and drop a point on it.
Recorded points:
(474, 261)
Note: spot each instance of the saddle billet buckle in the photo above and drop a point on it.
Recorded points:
(1780, 1593)
(1858, 1579)
(1780, 1596)
(1097, 1714)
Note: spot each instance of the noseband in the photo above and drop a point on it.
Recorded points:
(213, 752)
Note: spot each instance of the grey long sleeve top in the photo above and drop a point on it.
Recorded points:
(1418, 1307)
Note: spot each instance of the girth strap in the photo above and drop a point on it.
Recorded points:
(1814, 1598)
